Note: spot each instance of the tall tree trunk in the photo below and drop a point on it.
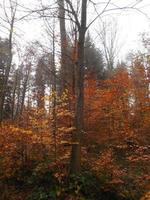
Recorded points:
(54, 97)
(63, 44)
(79, 110)
(24, 90)
(14, 94)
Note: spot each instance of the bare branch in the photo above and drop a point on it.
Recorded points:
(73, 13)
(99, 14)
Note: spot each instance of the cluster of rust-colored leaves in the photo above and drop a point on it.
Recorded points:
(117, 123)
(118, 120)
(30, 140)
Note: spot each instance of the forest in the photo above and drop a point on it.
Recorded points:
(74, 116)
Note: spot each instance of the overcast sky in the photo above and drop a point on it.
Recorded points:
(131, 23)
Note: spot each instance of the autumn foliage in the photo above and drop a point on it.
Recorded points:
(115, 144)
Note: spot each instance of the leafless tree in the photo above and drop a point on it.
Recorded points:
(108, 35)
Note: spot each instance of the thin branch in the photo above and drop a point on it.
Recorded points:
(118, 8)
(73, 13)
(99, 14)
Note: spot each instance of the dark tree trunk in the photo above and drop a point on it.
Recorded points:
(54, 124)
(63, 45)
(79, 110)
(24, 90)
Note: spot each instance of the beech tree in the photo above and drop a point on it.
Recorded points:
(79, 89)
(82, 27)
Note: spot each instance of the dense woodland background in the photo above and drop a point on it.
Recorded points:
(74, 121)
